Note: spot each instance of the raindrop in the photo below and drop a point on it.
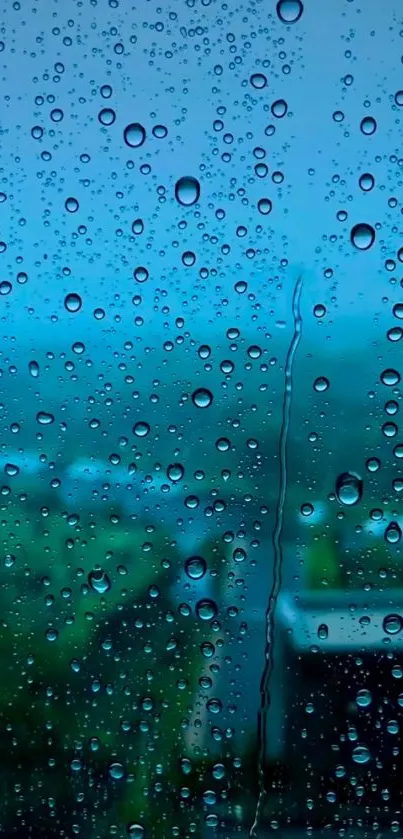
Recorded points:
(323, 631)
(362, 236)
(138, 226)
(71, 205)
(289, 11)
(33, 368)
(72, 302)
(99, 581)
(368, 125)
(390, 377)
(202, 397)
(195, 567)
(393, 533)
(264, 206)
(187, 191)
(175, 472)
(279, 108)
(141, 429)
(141, 274)
(160, 131)
(319, 310)
(134, 135)
(107, 116)
(392, 624)
(349, 488)
(366, 182)
(399, 98)
(44, 418)
(361, 754)
(398, 311)
(321, 384)
(206, 609)
(258, 81)
(116, 771)
(363, 698)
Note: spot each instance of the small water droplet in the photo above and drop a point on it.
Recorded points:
(138, 226)
(323, 631)
(33, 368)
(366, 182)
(264, 206)
(71, 205)
(107, 116)
(116, 771)
(362, 236)
(175, 472)
(141, 429)
(321, 384)
(187, 191)
(140, 274)
(349, 488)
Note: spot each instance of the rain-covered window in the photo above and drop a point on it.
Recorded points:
(201, 567)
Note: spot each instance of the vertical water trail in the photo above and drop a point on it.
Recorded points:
(265, 696)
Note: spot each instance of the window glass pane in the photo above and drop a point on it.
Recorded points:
(201, 297)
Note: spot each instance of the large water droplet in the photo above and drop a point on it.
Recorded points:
(361, 754)
(175, 472)
(141, 429)
(44, 418)
(33, 367)
(289, 11)
(116, 771)
(349, 488)
(195, 567)
(72, 302)
(202, 397)
(258, 81)
(393, 533)
(206, 609)
(363, 698)
(135, 830)
(134, 135)
(392, 624)
(187, 191)
(362, 236)
(368, 125)
(390, 377)
(99, 581)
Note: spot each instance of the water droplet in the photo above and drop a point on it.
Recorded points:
(320, 384)
(393, 533)
(138, 226)
(134, 135)
(398, 311)
(195, 567)
(362, 236)
(395, 334)
(72, 302)
(135, 831)
(52, 634)
(373, 464)
(202, 397)
(44, 418)
(206, 609)
(71, 205)
(33, 368)
(349, 488)
(368, 125)
(141, 429)
(9, 560)
(319, 310)
(141, 274)
(279, 108)
(392, 624)
(323, 631)
(175, 472)
(258, 81)
(264, 206)
(5, 287)
(366, 182)
(390, 377)
(116, 771)
(361, 754)
(363, 698)
(289, 11)
(187, 191)
(188, 258)
(99, 581)
(107, 116)
(160, 131)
